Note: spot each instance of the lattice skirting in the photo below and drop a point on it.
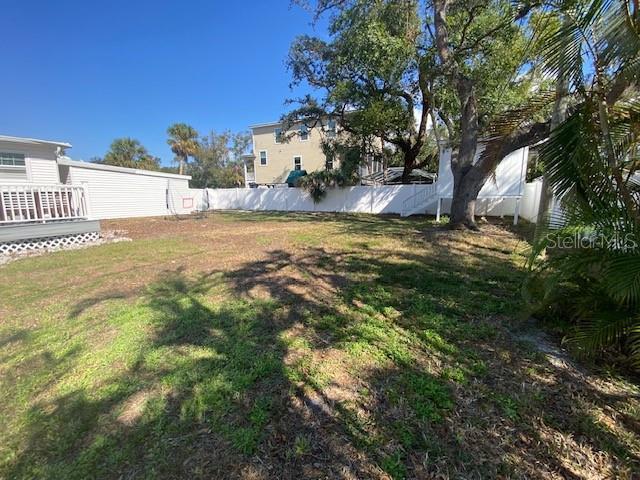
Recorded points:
(49, 243)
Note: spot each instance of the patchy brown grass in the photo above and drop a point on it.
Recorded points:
(296, 346)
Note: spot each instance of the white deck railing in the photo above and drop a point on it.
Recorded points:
(42, 203)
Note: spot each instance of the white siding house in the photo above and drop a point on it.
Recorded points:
(48, 199)
(36, 210)
(28, 160)
(118, 192)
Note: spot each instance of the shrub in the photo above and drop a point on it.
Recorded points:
(317, 183)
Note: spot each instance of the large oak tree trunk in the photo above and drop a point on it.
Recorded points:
(465, 193)
(467, 180)
(409, 163)
(468, 175)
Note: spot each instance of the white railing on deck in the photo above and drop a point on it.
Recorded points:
(42, 203)
(420, 199)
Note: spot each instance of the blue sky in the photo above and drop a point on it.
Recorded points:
(87, 72)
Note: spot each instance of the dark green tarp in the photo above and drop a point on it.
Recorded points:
(293, 177)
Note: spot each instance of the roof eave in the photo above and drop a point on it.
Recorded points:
(112, 168)
(33, 141)
(267, 124)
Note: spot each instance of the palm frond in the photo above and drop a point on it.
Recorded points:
(619, 39)
(597, 332)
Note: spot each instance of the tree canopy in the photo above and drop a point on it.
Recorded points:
(394, 68)
(130, 153)
(217, 161)
(183, 140)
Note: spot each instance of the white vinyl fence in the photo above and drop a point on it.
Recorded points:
(363, 199)
(531, 200)
(388, 199)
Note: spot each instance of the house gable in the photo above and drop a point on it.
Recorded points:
(28, 161)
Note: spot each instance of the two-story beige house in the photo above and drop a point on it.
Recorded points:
(277, 152)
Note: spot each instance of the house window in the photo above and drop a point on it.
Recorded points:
(304, 133)
(331, 128)
(263, 157)
(13, 166)
(12, 160)
(297, 163)
(277, 133)
(328, 162)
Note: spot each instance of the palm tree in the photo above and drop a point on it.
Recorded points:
(128, 152)
(585, 261)
(183, 140)
(592, 163)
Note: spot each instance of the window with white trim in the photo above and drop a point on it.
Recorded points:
(263, 157)
(328, 162)
(304, 133)
(297, 163)
(12, 159)
(13, 166)
(277, 134)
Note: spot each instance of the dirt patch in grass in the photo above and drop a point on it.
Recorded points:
(243, 345)
(132, 409)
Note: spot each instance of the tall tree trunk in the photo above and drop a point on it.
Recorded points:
(181, 165)
(409, 163)
(466, 181)
(465, 193)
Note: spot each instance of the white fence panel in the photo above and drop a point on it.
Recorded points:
(223, 199)
(359, 199)
(298, 200)
(182, 201)
(336, 200)
(495, 206)
(531, 200)
(254, 199)
(390, 198)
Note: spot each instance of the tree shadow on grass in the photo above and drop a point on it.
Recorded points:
(207, 396)
(368, 225)
(347, 363)
(16, 336)
(516, 413)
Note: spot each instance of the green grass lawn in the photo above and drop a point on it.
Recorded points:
(294, 346)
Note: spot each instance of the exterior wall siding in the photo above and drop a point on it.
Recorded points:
(40, 160)
(124, 195)
(9, 175)
(43, 170)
